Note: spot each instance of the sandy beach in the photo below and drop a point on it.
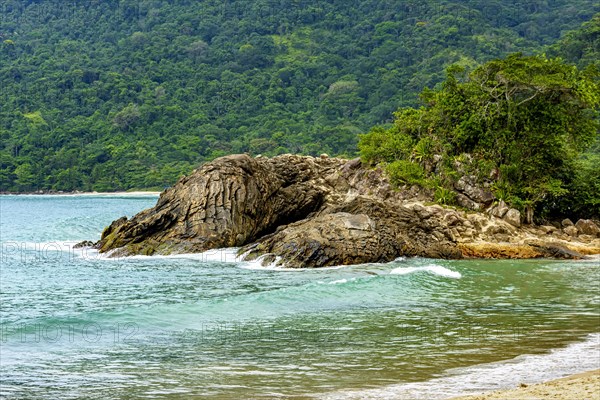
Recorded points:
(583, 386)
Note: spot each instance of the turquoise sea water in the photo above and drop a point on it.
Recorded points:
(75, 324)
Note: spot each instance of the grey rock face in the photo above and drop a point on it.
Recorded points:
(467, 185)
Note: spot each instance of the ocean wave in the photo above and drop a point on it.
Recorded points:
(432, 269)
(257, 264)
(222, 255)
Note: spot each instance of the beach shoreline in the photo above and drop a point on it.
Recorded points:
(584, 385)
(73, 194)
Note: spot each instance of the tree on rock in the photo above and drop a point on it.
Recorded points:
(524, 118)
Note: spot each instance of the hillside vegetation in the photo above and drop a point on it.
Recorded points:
(518, 125)
(109, 95)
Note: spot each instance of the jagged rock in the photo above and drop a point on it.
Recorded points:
(498, 227)
(331, 239)
(524, 250)
(557, 251)
(586, 238)
(547, 229)
(230, 202)
(467, 185)
(313, 212)
(85, 243)
(466, 202)
(349, 236)
(587, 227)
(566, 222)
(513, 217)
(571, 231)
(499, 210)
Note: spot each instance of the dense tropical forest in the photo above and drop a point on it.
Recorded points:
(113, 95)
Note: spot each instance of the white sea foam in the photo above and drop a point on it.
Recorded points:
(432, 269)
(529, 369)
(225, 255)
(257, 264)
(337, 281)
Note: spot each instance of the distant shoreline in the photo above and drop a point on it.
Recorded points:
(136, 193)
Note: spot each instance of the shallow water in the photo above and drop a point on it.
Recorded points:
(77, 325)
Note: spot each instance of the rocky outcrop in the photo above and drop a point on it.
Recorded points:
(359, 231)
(227, 203)
(313, 212)
(587, 227)
(472, 195)
(499, 210)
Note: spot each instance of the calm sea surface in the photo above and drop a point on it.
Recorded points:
(75, 324)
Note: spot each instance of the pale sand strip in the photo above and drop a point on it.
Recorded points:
(584, 386)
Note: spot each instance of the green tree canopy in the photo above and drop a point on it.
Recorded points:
(524, 119)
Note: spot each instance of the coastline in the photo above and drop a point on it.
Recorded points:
(584, 385)
(73, 194)
(503, 379)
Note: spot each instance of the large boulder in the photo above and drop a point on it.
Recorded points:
(466, 202)
(330, 239)
(499, 210)
(230, 202)
(307, 211)
(587, 227)
(571, 231)
(513, 217)
(566, 222)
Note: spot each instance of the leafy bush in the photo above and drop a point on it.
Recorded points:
(583, 198)
(403, 172)
(384, 145)
(445, 196)
(423, 150)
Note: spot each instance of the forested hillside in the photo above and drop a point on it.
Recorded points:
(109, 95)
(527, 128)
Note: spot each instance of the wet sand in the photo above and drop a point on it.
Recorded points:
(582, 386)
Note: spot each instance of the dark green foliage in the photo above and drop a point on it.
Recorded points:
(580, 46)
(583, 198)
(404, 172)
(524, 120)
(109, 95)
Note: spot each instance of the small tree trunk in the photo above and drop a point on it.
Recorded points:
(528, 214)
